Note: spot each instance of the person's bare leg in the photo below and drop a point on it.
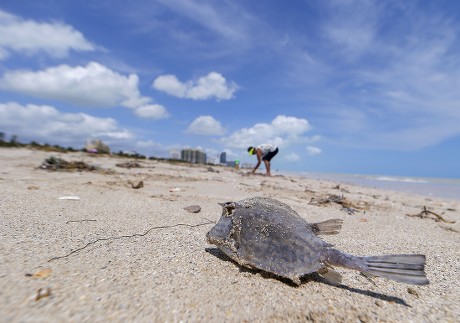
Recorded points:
(267, 166)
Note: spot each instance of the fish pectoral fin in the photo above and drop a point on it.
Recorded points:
(328, 227)
(332, 276)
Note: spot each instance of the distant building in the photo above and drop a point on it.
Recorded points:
(223, 158)
(194, 156)
(174, 154)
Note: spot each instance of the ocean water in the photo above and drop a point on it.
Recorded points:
(432, 187)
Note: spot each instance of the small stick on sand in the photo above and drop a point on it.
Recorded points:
(130, 236)
(425, 212)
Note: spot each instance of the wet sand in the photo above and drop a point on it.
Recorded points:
(124, 254)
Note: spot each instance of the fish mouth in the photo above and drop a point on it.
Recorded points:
(213, 240)
(210, 238)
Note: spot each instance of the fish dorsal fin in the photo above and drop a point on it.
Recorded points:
(327, 227)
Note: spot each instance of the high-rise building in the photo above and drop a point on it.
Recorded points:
(195, 156)
(223, 158)
(174, 154)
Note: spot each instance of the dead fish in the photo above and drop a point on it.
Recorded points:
(266, 234)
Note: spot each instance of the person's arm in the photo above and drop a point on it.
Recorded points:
(259, 159)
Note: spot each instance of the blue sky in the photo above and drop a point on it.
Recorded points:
(351, 86)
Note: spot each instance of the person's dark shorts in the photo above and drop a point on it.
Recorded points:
(270, 155)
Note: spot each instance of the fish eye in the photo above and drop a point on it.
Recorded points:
(228, 209)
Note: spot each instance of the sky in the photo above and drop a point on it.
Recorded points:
(340, 86)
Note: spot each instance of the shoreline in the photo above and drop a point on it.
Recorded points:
(444, 188)
(122, 253)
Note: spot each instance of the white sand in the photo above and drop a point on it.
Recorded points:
(172, 274)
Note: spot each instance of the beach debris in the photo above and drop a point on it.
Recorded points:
(42, 273)
(307, 190)
(425, 214)
(447, 228)
(129, 164)
(340, 188)
(212, 170)
(175, 189)
(244, 184)
(80, 221)
(106, 171)
(33, 187)
(131, 236)
(55, 164)
(70, 197)
(412, 291)
(266, 234)
(349, 210)
(137, 185)
(341, 200)
(42, 293)
(329, 199)
(368, 278)
(193, 208)
(170, 197)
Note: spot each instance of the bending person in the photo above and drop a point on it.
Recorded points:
(263, 152)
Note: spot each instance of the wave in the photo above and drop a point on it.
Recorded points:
(398, 179)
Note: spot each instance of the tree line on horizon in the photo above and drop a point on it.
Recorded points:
(14, 142)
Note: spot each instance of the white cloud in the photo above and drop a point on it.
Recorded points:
(282, 131)
(313, 150)
(206, 125)
(401, 89)
(312, 139)
(228, 21)
(171, 85)
(231, 154)
(351, 26)
(290, 125)
(292, 157)
(92, 85)
(46, 124)
(206, 87)
(32, 37)
(147, 144)
(151, 111)
(3, 53)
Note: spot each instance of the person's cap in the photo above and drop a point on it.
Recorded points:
(251, 150)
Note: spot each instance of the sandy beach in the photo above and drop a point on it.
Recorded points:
(123, 254)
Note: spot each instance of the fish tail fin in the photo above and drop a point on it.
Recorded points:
(409, 269)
